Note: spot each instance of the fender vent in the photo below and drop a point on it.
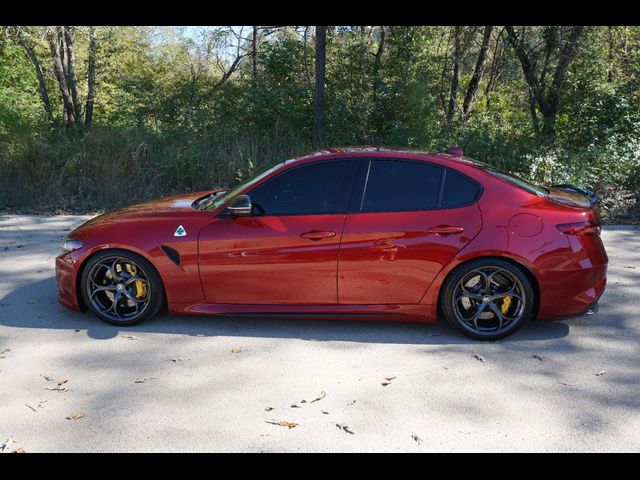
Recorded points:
(172, 253)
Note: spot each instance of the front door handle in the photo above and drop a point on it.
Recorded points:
(317, 235)
(445, 230)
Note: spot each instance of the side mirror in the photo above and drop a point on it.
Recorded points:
(240, 206)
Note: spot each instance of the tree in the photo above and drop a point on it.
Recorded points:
(546, 88)
(472, 89)
(318, 95)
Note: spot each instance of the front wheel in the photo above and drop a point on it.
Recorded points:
(121, 287)
(487, 299)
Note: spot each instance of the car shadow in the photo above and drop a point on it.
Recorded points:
(35, 305)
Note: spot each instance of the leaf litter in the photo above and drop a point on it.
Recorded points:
(289, 425)
(75, 416)
(345, 428)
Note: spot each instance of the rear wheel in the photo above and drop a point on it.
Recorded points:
(487, 299)
(121, 287)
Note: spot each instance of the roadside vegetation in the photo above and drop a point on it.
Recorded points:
(93, 118)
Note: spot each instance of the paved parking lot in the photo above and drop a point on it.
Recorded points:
(184, 384)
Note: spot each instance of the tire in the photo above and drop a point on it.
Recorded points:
(490, 314)
(121, 287)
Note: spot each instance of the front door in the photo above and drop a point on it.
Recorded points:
(287, 251)
(407, 220)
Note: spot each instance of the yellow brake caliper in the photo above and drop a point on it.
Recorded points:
(506, 303)
(141, 287)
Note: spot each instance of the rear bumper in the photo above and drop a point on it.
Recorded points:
(66, 282)
(572, 293)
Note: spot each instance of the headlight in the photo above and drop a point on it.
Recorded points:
(71, 244)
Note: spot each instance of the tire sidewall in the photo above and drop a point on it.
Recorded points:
(455, 276)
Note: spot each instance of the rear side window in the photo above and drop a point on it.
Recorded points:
(458, 190)
(317, 188)
(392, 186)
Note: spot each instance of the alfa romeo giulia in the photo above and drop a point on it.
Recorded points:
(360, 233)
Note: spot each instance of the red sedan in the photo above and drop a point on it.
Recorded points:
(366, 233)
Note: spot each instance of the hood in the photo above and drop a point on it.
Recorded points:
(166, 207)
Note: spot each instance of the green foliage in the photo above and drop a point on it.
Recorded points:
(164, 121)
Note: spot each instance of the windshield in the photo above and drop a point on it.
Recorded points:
(217, 200)
(513, 180)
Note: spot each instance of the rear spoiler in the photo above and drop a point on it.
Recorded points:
(590, 195)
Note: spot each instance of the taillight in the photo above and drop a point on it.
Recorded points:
(579, 228)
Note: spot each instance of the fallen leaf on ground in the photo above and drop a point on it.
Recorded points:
(324, 412)
(289, 425)
(58, 389)
(351, 403)
(293, 405)
(417, 439)
(537, 357)
(268, 409)
(304, 401)
(48, 379)
(142, 380)
(129, 337)
(478, 357)
(630, 267)
(62, 382)
(319, 397)
(235, 350)
(77, 330)
(345, 428)
(5, 447)
(75, 416)
(387, 381)
(26, 404)
(174, 360)
(600, 373)
(41, 403)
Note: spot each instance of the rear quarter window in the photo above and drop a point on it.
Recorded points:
(459, 190)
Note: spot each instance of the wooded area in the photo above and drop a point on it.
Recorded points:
(98, 117)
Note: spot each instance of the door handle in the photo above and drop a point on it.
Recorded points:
(317, 235)
(445, 230)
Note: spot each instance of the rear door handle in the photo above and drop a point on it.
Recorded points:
(445, 230)
(317, 235)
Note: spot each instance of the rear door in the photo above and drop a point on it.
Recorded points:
(407, 219)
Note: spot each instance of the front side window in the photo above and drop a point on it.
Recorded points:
(318, 188)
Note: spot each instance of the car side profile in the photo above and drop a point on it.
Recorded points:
(361, 233)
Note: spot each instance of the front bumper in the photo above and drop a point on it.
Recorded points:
(66, 274)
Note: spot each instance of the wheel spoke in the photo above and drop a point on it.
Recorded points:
(108, 288)
(494, 308)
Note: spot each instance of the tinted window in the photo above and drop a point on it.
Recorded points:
(458, 190)
(310, 189)
(392, 185)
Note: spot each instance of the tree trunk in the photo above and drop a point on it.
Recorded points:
(472, 89)
(318, 96)
(72, 80)
(546, 95)
(44, 95)
(254, 54)
(91, 78)
(58, 67)
(455, 76)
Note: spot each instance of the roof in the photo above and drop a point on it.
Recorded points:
(455, 152)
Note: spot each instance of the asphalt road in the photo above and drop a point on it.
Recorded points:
(182, 384)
